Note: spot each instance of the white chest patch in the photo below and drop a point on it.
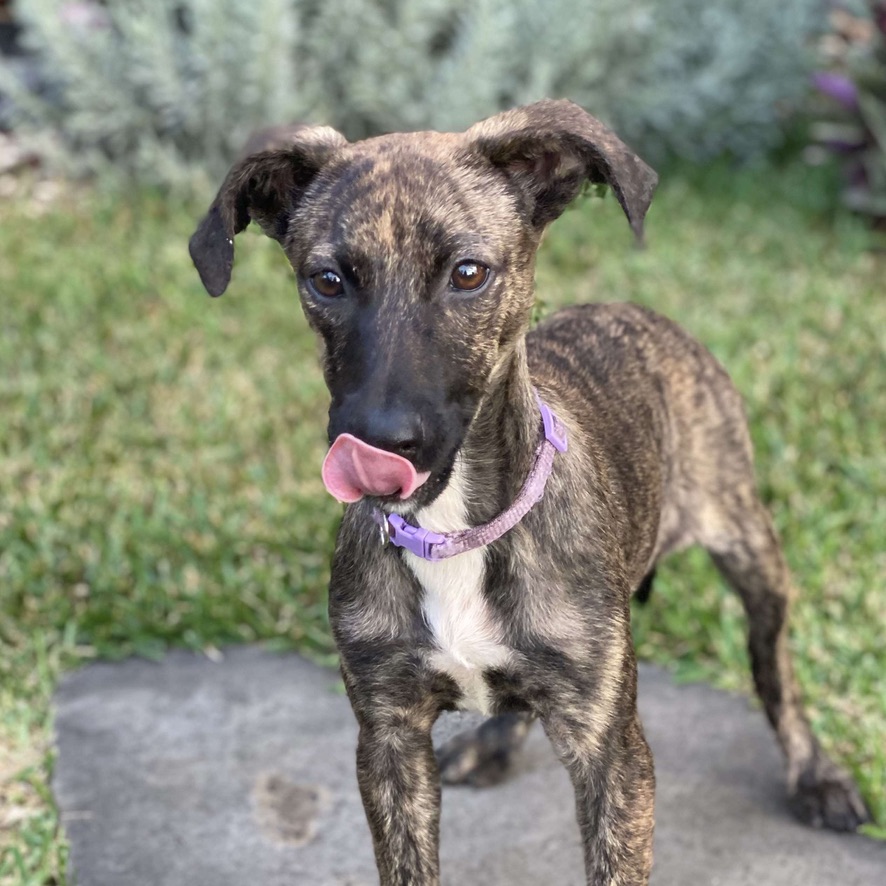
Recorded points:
(468, 639)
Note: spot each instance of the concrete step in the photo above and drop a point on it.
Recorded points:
(241, 773)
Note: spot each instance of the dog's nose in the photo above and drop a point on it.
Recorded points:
(394, 430)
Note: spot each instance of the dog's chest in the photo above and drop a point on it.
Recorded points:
(467, 638)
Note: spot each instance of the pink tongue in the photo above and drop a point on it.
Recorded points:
(353, 469)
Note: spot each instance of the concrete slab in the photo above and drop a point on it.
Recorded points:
(241, 773)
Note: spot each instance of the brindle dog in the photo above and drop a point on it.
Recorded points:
(414, 255)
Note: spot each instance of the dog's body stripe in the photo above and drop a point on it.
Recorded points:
(466, 635)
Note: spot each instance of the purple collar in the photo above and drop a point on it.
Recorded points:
(440, 545)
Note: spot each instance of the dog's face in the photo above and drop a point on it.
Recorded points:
(414, 255)
(416, 270)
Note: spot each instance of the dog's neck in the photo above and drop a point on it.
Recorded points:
(501, 443)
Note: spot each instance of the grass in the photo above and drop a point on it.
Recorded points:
(160, 452)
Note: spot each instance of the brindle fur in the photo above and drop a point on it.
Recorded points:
(659, 458)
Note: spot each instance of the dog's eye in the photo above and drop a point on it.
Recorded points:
(469, 276)
(327, 283)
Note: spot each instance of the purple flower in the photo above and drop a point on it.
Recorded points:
(837, 87)
(86, 15)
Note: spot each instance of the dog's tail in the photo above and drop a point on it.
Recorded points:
(645, 589)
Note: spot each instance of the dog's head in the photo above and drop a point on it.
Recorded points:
(415, 255)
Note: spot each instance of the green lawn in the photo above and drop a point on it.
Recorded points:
(160, 451)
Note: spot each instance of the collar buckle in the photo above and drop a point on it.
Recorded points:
(415, 539)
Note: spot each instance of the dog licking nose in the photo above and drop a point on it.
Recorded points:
(353, 469)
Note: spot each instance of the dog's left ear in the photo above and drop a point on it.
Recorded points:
(263, 188)
(550, 148)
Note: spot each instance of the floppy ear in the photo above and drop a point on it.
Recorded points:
(264, 188)
(550, 148)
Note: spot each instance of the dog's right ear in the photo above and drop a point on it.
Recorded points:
(263, 188)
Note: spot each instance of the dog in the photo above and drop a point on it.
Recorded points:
(509, 490)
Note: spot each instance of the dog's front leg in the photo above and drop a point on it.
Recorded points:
(400, 786)
(612, 774)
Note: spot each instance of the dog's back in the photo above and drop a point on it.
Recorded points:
(659, 404)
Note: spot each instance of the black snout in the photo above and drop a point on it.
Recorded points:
(396, 429)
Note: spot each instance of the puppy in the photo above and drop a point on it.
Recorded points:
(508, 490)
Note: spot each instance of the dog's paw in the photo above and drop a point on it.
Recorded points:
(469, 759)
(825, 796)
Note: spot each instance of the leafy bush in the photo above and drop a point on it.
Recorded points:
(694, 78)
(854, 124)
(162, 87)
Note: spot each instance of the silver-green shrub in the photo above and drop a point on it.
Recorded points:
(162, 91)
(694, 78)
(169, 89)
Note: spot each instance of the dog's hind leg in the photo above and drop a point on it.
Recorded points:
(745, 549)
(484, 756)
